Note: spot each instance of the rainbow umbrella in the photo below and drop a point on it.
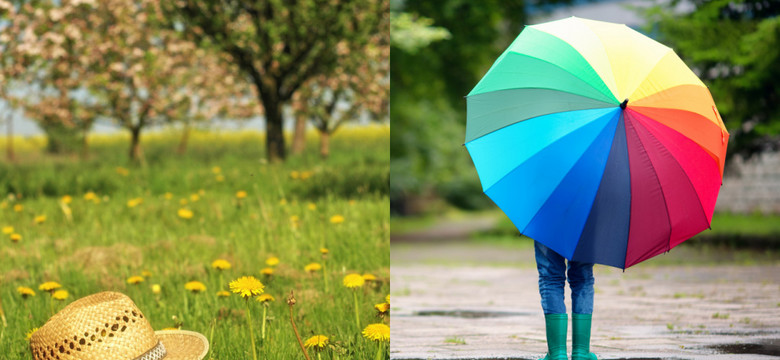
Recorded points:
(597, 141)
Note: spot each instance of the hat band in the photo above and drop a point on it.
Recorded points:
(156, 353)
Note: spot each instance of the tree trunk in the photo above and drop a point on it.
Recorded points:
(136, 155)
(84, 144)
(324, 144)
(299, 137)
(274, 131)
(185, 137)
(9, 145)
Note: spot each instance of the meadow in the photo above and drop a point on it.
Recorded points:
(154, 231)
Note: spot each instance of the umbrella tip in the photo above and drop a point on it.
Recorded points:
(624, 104)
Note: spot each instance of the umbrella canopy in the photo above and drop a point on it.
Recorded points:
(597, 141)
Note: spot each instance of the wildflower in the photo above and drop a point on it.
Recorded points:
(223, 293)
(317, 342)
(283, 202)
(8, 229)
(306, 174)
(312, 206)
(16, 237)
(49, 286)
(294, 219)
(66, 199)
(194, 197)
(30, 333)
(170, 328)
(247, 286)
(40, 219)
(168, 196)
(156, 289)
(369, 277)
(387, 299)
(122, 171)
(25, 291)
(267, 271)
(134, 202)
(294, 175)
(18, 207)
(90, 196)
(382, 308)
(354, 281)
(185, 213)
(220, 264)
(264, 298)
(216, 170)
(195, 286)
(183, 202)
(219, 178)
(240, 194)
(201, 192)
(377, 332)
(336, 219)
(135, 280)
(351, 202)
(272, 261)
(324, 251)
(146, 273)
(60, 295)
(313, 267)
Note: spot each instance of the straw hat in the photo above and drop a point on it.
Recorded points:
(108, 326)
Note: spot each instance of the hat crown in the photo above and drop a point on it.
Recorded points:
(106, 325)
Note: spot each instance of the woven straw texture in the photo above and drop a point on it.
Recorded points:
(103, 326)
(183, 345)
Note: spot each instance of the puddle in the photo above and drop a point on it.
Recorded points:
(766, 347)
(471, 314)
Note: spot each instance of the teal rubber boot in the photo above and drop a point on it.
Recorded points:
(580, 336)
(556, 325)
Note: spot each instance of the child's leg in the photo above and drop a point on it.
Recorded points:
(581, 283)
(552, 279)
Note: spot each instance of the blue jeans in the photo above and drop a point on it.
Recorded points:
(552, 279)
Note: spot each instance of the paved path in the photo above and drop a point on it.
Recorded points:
(462, 301)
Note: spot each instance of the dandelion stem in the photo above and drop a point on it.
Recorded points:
(2, 314)
(290, 303)
(251, 332)
(379, 351)
(325, 274)
(265, 308)
(357, 313)
(211, 334)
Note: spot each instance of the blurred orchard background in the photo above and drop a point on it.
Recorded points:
(440, 49)
(145, 140)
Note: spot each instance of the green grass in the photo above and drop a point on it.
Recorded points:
(286, 214)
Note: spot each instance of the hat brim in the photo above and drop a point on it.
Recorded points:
(183, 345)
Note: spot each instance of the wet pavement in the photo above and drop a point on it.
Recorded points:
(457, 300)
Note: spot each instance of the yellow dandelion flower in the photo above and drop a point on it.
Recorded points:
(40, 219)
(156, 289)
(30, 333)
(387, 299)
(220, 264)
(67, 199)
(18, 207)
(306, 174)
(60, 295)
(168, 196)
(183, 202)
(185, 213)
(134, 202)
(265, 298)
(122, 171)
(195, 286)
(382, 308)
(219, 178)
(194, 197)
(25, 291)
(352, 202)
(294, 219)
(216, 170)
(316, 342)
(283, 202)
(336, 219)
(201, 192)
(377, 332)
(49, 286)
(240, 194)
(16, 237)
(135, 280)
(354, 281)
(146, 273)
(312, 206)
(223, 293)
(90, 196)
(171, 328)
(8, 229)
(294, 174)
(267, 271)
(272, 261)
(313, 267)
(369, 277)
(324, 251)
(246, 286)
